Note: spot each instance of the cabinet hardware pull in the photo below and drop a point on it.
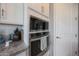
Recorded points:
(2, 12)
(42, 9)
(57, 37)
(75, 35)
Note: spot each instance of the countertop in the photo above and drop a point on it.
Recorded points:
(13, 49)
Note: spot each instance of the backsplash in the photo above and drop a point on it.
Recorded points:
(7, 30)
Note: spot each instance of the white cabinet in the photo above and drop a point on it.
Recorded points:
(41, 8)
(15, 13)
(32, 13)
(35, 6)
(45, 9)
(12, 13)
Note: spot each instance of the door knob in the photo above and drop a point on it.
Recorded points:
(75, 35)
(57, 37)
(2, 12)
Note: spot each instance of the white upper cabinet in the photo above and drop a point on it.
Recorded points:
(45, 9)
(15, 12)
(35, 6)
(11, 13)
(42, 8)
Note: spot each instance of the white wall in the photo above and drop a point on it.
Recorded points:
(51, 29)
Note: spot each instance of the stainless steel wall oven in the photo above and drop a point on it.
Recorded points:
(39, 36)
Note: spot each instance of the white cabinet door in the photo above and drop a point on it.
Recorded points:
(32, 13)
(65, 29)
(15, 13)
(45, 9)
(12, 13)
(35, 6)
(42, 8)
(19, 13)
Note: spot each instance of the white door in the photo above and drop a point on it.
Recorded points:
(65, 29)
